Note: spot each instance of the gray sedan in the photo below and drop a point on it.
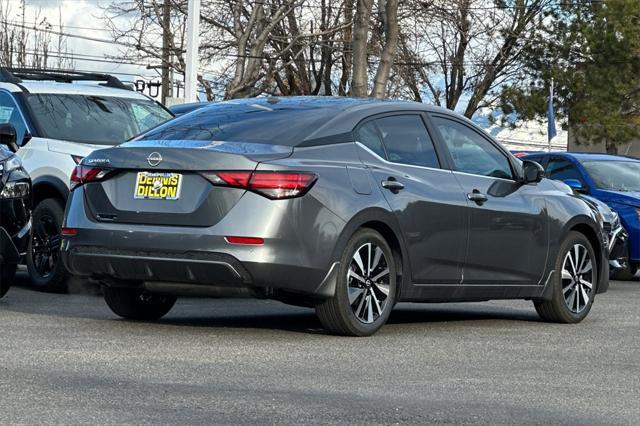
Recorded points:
(345, 205)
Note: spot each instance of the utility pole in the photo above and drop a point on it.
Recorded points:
(166, 56)
(193, 36)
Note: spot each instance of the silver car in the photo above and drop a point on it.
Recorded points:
(345, 205)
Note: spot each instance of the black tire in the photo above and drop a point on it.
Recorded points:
(558, 308)
(341, 316)
(625, 274)
(7, 273)
(44, 264)
(137, 304)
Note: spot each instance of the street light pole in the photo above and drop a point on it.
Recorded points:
(193, 41)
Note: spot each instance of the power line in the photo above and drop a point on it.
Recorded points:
(63, 34)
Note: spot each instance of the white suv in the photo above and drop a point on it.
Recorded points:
(60, 117)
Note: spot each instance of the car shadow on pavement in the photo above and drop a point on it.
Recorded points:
(253, 314)
(305, 321)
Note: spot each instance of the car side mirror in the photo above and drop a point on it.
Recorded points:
(532, 172)
(8, 136)
(574, 184)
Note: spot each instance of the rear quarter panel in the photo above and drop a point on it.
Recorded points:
(344, 187)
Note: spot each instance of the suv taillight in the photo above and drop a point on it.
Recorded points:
(274, 185)
(84, 174)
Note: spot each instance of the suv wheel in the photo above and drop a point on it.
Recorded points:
(7, 272)
(365, 290)
(574, 287)
(43, 256)
(137, 304)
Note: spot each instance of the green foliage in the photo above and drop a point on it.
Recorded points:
(592, 52)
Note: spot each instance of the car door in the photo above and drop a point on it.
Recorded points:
(508, 229)
(426, 199)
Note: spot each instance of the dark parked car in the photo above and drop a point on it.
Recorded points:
(15, 208)
(618, 237)
(612, 179)
(349, 206)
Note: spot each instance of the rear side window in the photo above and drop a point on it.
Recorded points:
(368, 136)
(407, 141)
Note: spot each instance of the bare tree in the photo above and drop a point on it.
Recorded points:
(388, 11)
(247, 48)
(359, 83)
(29, 43)
(466, 49)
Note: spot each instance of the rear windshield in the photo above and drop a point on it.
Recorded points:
(244, 122)
(94, 119)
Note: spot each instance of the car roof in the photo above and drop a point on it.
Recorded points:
(344, 112)
(87, 89)
(585, 156)
(334, 102)
(185, 108)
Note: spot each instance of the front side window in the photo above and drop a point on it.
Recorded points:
(94, 119)
(9, 113)
(560, 169)
(472, 153)
(407, 141)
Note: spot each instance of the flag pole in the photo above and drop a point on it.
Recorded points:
(191, 63)
(551, 103)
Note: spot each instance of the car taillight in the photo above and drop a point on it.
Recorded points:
(273, 185)
(245, 240)
(84, 174)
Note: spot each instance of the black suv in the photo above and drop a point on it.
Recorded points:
(15, 208)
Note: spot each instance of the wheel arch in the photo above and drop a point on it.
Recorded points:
(49, 187)
(589, 229)
(385, 223)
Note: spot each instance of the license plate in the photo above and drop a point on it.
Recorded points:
(157, 186)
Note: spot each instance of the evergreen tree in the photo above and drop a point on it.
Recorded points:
(592, 52)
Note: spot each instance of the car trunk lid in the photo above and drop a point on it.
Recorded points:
(165, 182)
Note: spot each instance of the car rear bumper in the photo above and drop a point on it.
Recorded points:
(184, 273)
(296, 254)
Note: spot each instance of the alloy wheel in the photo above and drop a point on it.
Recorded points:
(577, 278)
(368, 283)
(45, 245)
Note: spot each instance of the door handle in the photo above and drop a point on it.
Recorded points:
(477, 197)
(392, 185)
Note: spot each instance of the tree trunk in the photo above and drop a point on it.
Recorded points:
(359, 83)
(389, 51)
(347, 49)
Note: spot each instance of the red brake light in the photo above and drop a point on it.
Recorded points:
(274, 185)
(245, 240)
(69, 232)
(83, 174)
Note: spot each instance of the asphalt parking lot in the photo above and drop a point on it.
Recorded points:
(67, 359)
